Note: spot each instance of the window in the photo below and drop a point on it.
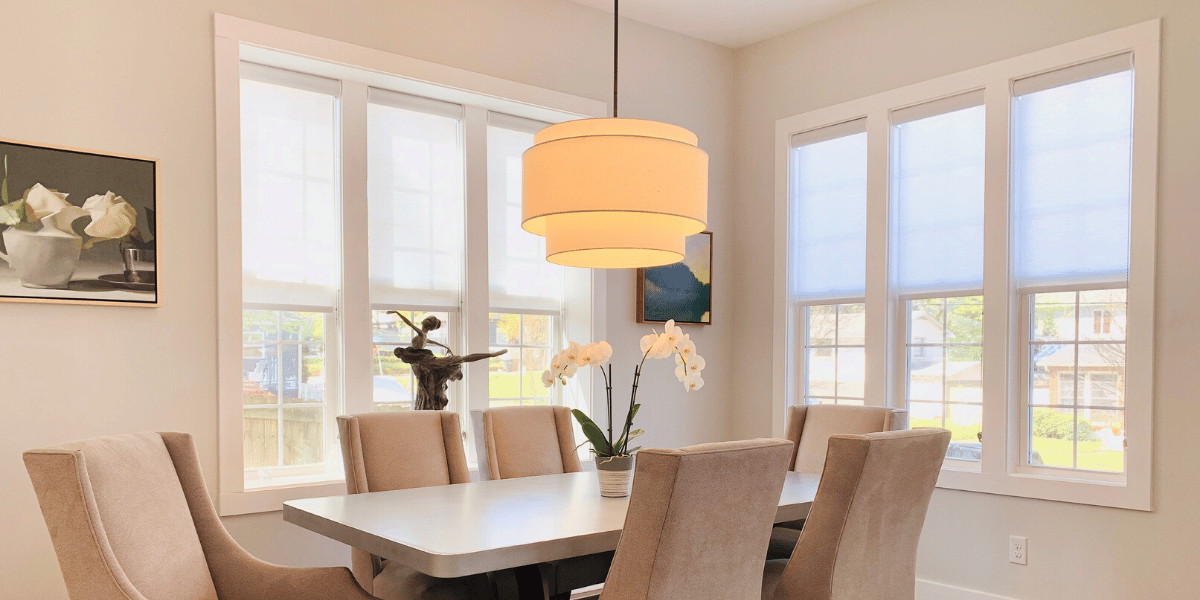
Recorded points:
(415, 209)
(361, 200)
(526, 292)
(290, 271)
(937, 185)
(999, 249)
(1072, 186)
(829, 169)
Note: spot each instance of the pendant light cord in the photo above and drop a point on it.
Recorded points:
(616, 26)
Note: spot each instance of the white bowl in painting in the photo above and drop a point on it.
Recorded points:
(42, 259)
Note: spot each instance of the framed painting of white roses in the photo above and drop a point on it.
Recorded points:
(77, 226)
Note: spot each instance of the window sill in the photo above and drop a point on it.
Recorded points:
(1056, 489)
(271, 499)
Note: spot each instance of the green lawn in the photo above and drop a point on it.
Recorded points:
(507, 385)
(1053, 452)
(1092, 455)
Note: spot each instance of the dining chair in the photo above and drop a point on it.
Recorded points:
(130, 519)
(400, 450)
(698, 522)
(523, 441)
(527, 441)
(860, 540)
(809, 428)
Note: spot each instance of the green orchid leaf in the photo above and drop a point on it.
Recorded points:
(624, 440)
(593, 433)
(632, 450)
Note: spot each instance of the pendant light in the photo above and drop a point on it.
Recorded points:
(614, 193)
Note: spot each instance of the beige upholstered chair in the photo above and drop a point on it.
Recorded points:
(525, 441)
(131, 520)
(860, 540)
(698, 522)
(400, 450)
(522, 441)
(809, 428)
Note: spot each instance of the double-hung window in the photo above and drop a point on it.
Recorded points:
(364, 202)
(290, 274)
(829, 197)
(936, 207)
(415, 230)
(979, 249)
(1071, 189)
(526, 293)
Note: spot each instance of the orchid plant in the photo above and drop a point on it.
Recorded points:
(671, 342)
(111, 216)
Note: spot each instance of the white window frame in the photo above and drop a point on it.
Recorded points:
(998, 471)
(237, 40)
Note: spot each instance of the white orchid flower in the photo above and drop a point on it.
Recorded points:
(681, 372)
(556, 365)
(112, 218)
(695, 364)
(599, 353)
(569, 370)
(573, 352)
(663, 347)
(547, 378)
(648, 342)
(693, 382)
(673, 333)
(687, 349)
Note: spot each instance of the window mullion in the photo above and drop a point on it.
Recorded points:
(1001, 406)
(354, 315)
(879, 293)
(475, 280)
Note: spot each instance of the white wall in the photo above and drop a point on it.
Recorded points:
(1074, 551)
(135, 76)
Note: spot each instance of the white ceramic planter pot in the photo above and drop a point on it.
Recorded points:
(42, 259)
(615, 474)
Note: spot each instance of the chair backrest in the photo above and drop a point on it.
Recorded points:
(401, 450)
(860, 539)
(395, 451)
(698, 523)
(809, 427)
(523, 441)
(120, 520)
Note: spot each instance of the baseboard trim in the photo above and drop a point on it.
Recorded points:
(932, 590)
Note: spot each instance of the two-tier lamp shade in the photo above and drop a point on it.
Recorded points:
(614, 193)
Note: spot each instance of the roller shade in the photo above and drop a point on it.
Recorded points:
(828, 212)
(1072, 174)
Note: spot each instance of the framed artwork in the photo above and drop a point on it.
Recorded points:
(682, 291)
(77, 226)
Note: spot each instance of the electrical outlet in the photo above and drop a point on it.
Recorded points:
(1018, 551)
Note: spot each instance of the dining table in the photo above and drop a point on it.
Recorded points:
(492, 526)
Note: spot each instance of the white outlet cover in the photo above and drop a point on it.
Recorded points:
(1018, 550)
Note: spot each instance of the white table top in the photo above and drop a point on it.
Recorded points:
(458, 530)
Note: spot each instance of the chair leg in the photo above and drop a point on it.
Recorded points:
(529, 583)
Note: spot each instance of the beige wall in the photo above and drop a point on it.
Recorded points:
(1075, 552)
(135, 76)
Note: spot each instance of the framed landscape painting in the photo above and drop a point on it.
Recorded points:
(682, 291)
(77, 227)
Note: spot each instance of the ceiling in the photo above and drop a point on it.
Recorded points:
(732, 23)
